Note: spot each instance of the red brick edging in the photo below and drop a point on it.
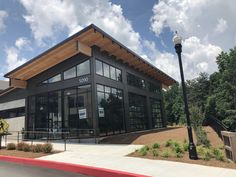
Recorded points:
(82, 169)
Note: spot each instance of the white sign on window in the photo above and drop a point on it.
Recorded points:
(82, 113)
(101, 112)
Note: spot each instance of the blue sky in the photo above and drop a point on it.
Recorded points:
(29, 27)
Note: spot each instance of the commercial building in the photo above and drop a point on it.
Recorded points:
(88, 81)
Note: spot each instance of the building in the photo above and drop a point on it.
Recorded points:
(90, 81)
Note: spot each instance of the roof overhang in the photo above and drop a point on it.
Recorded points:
(82, 42)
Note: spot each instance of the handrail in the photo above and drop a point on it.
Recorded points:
(216, 124)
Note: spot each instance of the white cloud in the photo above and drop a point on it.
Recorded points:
(221, 26)
(206, 19)
(197, 57)
(23, 43)
(3, 16)
(13, 59)
(48, 17)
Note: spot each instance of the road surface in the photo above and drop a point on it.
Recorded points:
(17, 170)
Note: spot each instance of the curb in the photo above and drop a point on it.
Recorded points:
(81, 169)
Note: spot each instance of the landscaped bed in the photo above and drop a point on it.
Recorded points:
(27, 151)
(178, 151)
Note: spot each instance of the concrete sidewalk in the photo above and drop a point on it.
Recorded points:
(113, 157)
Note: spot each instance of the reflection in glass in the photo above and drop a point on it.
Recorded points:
(112, 104)
(137, 112)
(106, 70)
(99, 69)
(70, 73)
(156, 113)
(113, 73)
(83, 68)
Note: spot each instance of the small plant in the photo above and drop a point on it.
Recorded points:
(179, 155)
(218, 154)
(178, 149)
(37, 148)
(11, 146)
(200, 150)
(168, 143)
(207, 155)
(143, 151)
(155, 153)
(47, 148)
(185, 146)
(166, 154)
(20, 146)
(26, 147)
(156, 146)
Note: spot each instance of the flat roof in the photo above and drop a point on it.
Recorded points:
(85, 39)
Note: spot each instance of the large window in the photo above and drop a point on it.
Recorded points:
(153, 88)
(135, 81)
(108, 71)
(137, 112)
(77, 108)
(83, 68)
(110, 110)
(45, 110)
(156, 113)
(76, 71)
(70, 73)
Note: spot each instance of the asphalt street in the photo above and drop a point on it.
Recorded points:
(17, 170)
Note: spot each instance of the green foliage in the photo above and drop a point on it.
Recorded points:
(185, 146)
(155, 153)
(144, 150)
(156, 146)
(169, 143)
(166, 154)
(11, 146)
(207, 155)
(218, 154)
(179, 155)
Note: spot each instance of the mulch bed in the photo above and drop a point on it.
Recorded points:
(17, 153)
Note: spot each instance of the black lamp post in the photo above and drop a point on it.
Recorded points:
(192, 148)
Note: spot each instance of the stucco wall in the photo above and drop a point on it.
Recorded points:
(16, 123)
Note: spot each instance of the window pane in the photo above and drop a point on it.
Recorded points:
(70, 73)
(107, 89)
(118, 75)
(113, 73)
(106, 70)
(99, 68)
(55, 79)
(83, 68)
(100, 96)
(100, 88)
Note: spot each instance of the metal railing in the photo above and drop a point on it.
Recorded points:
(216, 124)
(49, 136)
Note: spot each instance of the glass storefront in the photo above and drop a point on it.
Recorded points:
(110, 110)
(137, 112)
(62, 110)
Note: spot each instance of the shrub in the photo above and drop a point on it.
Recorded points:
(26, 147)
(156, 146)
(155, 153)
(11, 146)
(168, 143)
(166, 154)
(218, 154)
(207, 155)
(47, 148)
(179, 155)
(178, 149)
(200, 150)
(20, 146)
(143, 151)
(37, 148)
(185, 146)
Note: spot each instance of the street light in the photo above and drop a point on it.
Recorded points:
(192, 148)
